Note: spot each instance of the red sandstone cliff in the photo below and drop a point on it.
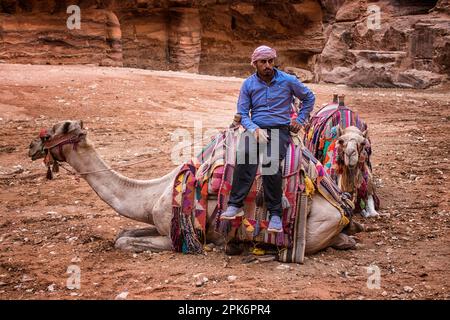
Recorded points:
(322, 40)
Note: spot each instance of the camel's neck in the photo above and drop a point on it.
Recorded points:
(131, 198)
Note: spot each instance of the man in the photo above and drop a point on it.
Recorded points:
(267, 95)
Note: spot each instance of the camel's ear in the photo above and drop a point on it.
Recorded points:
(66, 127)
(365, 133)
(81, 124)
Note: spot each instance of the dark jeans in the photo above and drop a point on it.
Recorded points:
(272, 173)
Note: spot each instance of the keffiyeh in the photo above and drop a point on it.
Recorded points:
(263, 52)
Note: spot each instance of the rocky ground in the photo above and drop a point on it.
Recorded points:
(48, 226)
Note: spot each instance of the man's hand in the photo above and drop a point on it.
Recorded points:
(295, 126)
(261, 135)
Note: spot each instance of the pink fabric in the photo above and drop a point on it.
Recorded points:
(263, 52)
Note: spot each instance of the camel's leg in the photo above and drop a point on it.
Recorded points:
(353, 227)
(150, 231)
(343, 242)
(371, 207)
(139, 244)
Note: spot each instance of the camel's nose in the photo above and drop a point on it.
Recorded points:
(351, 153)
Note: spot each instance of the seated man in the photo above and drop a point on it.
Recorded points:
(265, 106)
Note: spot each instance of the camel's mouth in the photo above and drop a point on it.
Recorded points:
(36, 150)
(38, 155)
(352, 166)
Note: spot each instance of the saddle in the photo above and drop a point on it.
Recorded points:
(209, 177)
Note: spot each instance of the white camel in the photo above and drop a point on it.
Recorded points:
(351, 144)
(150, 201)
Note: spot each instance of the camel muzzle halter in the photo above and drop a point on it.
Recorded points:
(58, 141)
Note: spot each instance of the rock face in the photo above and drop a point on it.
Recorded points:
(387, 43)
(45, 39)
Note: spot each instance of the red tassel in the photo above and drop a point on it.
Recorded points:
(49, 173)
(175, 230)
(55, 167)
(260, 198)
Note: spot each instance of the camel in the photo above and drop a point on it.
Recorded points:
(150, 201)
(344, 152)
(351, 143)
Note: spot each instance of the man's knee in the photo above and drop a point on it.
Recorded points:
(271, 168)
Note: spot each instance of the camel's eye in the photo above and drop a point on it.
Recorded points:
(341, 141)
(66, 127)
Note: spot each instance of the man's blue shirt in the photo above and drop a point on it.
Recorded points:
(270, 105)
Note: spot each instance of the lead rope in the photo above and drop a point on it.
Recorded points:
(102, 170)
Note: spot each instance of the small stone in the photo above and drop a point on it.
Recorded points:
(122, 296)
(384, 293)
(231, 278)
(72, 239)
(26, 278)
(199, 283)
(408, 289)
(51, 287)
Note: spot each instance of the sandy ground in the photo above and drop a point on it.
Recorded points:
(47, 226)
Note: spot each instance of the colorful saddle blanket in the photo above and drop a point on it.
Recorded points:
(211, 173)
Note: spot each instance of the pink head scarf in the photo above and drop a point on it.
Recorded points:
(263, 52)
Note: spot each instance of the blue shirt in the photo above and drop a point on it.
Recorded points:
(270, 105)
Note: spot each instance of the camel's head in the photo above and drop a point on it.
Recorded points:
(62, 133)
(36, 149)
(72, 127)
(351, 142)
